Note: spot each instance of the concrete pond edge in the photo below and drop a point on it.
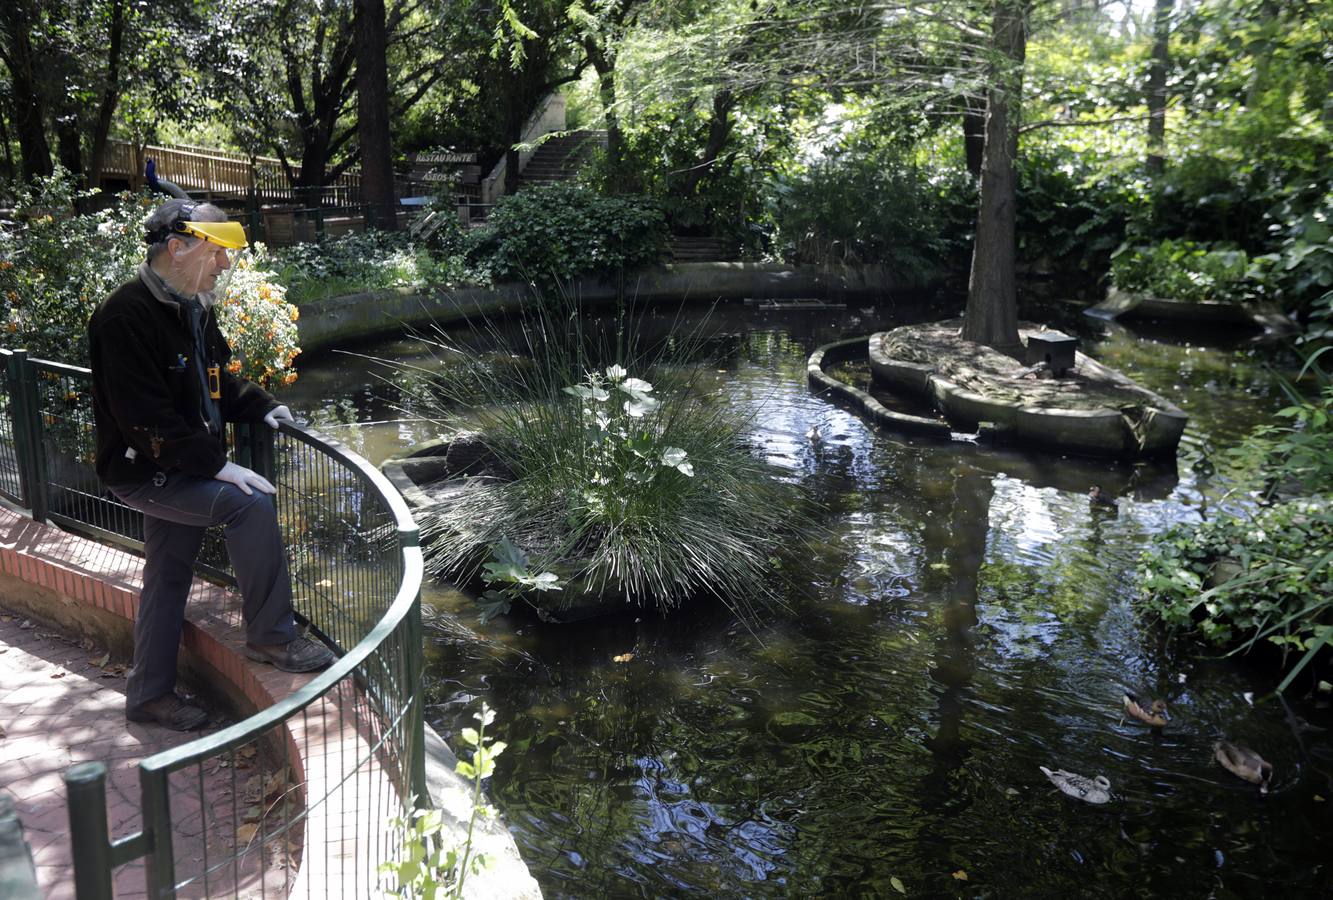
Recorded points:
(1268, 319)
(1097, 432)
(327, 321)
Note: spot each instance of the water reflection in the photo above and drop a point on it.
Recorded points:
(964, 617)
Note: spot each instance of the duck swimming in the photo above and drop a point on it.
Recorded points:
(1155, 715)
(1244, 763)
(1099, 497)
(1080, 787)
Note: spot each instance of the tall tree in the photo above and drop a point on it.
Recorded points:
(291, 68)
(1161, 60)
(991, 316)
(602, 28)
(372, 90)
(18, 19)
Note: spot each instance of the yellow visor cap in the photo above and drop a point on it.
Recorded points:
(225, 234)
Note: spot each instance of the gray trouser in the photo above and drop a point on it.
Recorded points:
(175, 515)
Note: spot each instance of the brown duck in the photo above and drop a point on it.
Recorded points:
(1155, 715)
(1244, 763)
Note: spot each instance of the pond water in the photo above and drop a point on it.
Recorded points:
(964, 617)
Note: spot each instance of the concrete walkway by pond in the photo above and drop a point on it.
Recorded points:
(59, 707)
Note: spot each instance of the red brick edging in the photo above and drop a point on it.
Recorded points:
(93, 589)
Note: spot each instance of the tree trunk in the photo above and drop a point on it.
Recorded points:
(16, 19)
(1157, 87)
(69, 142)
(719, 129)
(974, 134)
(991, 317)
(110, 95)
(372, 89)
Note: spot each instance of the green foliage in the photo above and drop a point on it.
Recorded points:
(508, 569)
(854, 209)
(619, 489)
(427, 867)
(1184, 270)
(550, 234)
(1072, 212)
(56, 265)
(367, 261)
(1303, 264)
(1240, 579)
(1265, 574)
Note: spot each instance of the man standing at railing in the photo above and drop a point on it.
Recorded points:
(161, 393)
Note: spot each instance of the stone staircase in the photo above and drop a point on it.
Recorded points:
(702, 249)
(560, 158)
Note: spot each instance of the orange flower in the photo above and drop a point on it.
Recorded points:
(289, 378)
(296, 314)
(234, 366)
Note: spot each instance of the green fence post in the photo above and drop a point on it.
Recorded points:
(18, 420)
(31, 406)
(85, 790)
(18, 876)
(416, 721)
(161, 863)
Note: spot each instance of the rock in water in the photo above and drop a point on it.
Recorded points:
(1080, 787)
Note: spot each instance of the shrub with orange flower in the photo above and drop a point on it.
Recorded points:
(258, 321)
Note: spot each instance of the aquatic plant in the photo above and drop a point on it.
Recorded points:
(615, 486)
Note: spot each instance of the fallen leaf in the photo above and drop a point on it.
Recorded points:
(960, 875)
(59, 673)
(897, 885)
(247, 752)
(26, 624)
(1011, 792)
(246, 833)
(1325, 688)
(101, 660)
(252, 814)
(6, 618)
(1317, 798)
(622, 658)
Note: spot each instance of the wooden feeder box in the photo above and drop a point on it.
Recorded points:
(1053, 348)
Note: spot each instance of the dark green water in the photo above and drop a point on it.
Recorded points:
(965, 618)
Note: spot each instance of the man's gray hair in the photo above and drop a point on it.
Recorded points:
(160, 224)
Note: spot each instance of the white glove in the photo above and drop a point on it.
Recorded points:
(245, 479)
(279, 414)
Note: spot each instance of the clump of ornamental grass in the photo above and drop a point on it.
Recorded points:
(622, 480)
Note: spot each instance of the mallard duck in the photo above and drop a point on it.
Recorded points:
(1155, 715)
(1080, 787)
(1244, 763)
(1099, 497)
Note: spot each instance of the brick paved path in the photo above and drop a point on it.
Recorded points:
(58, 708)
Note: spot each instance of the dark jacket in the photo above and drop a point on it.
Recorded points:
(146, 392)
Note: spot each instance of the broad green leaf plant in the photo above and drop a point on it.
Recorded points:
(428, 867)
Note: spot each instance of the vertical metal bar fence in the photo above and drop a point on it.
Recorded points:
(245, 811)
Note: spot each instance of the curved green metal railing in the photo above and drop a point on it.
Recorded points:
(248, 810)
